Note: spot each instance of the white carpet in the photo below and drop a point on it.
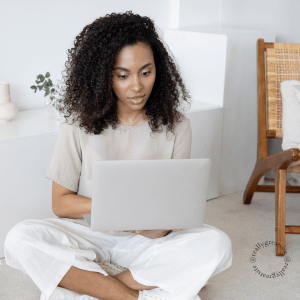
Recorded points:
(246, 225)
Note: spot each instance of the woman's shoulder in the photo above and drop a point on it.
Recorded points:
(185, 119)
(71, 120)
(183, 123)
(69, 125)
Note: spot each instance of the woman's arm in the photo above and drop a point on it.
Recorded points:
(67, 204)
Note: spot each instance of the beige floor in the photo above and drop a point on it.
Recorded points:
(246, 225)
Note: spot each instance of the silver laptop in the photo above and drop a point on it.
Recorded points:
(148, 194)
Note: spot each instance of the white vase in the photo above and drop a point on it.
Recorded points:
(8, 109)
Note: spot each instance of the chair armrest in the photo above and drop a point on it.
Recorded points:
(281, 160)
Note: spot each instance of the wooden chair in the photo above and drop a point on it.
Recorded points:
(282, 63)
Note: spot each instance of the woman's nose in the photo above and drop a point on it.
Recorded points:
(136, 84)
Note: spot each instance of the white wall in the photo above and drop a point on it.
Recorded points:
(278, 16)
(200, 13)
(36, 34)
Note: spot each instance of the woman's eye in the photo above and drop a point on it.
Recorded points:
(125, 76)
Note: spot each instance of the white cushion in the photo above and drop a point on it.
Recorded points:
(290, 91)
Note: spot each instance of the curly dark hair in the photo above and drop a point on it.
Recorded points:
(88, 94)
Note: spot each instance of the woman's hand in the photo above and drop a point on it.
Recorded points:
(152, 234)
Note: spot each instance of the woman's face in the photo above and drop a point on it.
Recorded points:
(133, 76)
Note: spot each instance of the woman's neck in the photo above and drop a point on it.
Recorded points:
(136, 119)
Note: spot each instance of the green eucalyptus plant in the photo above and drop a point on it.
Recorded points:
(48, 87)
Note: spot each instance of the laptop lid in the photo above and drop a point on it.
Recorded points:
(148, 194)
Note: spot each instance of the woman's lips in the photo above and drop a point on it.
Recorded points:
(138, 100)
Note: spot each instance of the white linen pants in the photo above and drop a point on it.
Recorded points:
(179, 264)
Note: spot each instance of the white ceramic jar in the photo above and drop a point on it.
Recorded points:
(8, 109)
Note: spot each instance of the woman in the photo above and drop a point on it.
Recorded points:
(122, 96)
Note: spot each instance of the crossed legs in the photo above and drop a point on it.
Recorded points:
(118, 287)
(35, 247)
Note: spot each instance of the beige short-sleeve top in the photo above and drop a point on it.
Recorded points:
(75, 151)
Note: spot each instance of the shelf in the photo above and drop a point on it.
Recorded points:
(29, 123)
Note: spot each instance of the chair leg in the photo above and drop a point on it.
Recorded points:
(258, 172)
(280, 195)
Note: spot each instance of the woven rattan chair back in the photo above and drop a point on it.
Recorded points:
(282, 63)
